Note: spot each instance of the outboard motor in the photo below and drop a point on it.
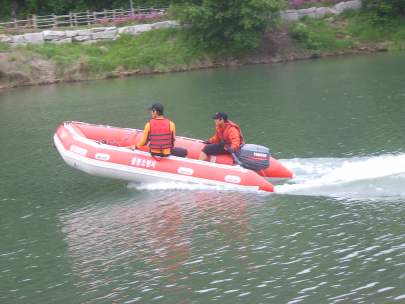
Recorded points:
(254, 157)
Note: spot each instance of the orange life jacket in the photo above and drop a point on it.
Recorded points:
(160, 135)
(224, 136)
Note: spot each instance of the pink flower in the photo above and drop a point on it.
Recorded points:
(296, 3)
(154, 16)
(141, 17)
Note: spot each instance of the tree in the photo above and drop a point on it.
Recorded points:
(231, 26)
(10, 8)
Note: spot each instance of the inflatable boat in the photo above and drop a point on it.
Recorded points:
(104, 151)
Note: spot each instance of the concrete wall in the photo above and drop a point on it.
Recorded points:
(83, 36)
(319, 12)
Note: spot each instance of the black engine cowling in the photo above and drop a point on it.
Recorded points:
(254, 157)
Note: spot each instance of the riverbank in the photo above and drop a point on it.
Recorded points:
(22, 67)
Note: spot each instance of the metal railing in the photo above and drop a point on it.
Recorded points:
(74, 20)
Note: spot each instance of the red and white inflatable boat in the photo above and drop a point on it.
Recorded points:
(104, 151)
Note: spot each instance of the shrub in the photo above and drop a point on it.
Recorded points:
(303, 36)
(227, 26)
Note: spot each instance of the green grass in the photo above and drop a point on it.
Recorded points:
(367, 30)
(158, 50)
(4, 47)
(320, 35)
(12, 58)
(346, 31)
(398, 43)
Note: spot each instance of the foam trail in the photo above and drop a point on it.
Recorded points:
(171, 185)
(189, 186)
(364, 177)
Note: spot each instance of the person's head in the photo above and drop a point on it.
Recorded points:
(220, 118)
(156, 109)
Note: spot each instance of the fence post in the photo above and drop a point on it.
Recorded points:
(139, 9)
(113, 13)
(71, 19)
(87, 17)
(15, 23)
(55, 22)
(34, 21)
(94, 18)
(75, 18)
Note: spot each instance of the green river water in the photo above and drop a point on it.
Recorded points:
(332, 234)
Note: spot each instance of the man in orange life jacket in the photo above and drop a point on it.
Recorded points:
(161, 133)
(227, 140)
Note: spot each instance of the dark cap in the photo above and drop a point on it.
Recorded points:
(220, 115)
(157, 106)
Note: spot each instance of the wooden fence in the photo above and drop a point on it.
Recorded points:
(35, 22)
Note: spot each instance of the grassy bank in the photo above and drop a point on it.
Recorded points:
(348, 32)
(167, 50)
(150, 52)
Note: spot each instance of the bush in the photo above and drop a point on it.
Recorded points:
(303, 36)
(227, 26)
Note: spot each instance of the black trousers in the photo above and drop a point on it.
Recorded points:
(180, 152)
(214, 149)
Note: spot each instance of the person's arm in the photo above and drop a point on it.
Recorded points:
(215, 139)
(143, 140)
(173, 130)
(234, 137)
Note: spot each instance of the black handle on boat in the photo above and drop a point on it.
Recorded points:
(235, 159)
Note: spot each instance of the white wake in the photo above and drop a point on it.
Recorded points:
(362, 177)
